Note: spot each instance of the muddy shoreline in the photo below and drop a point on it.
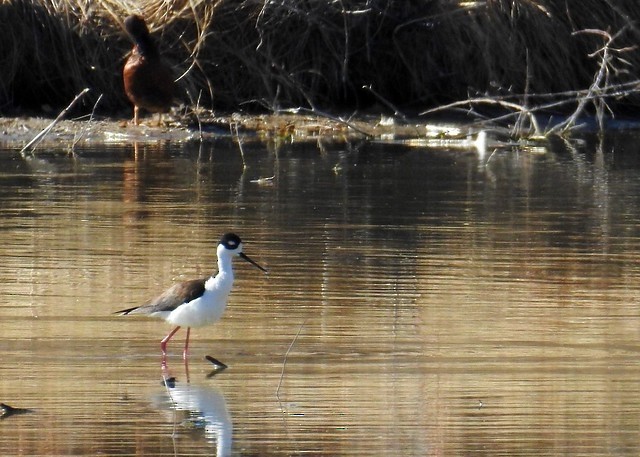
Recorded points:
(446, 133)
(17, 132)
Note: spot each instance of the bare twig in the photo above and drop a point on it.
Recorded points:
(195, 112)
(85, 129)
(517, 108)
(558, 100)
(233, 127)
(598, 88)
(286, 356)
(40, 136)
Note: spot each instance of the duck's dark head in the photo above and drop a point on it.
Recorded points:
(137, 29)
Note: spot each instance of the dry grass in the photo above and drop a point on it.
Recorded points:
(317, 54)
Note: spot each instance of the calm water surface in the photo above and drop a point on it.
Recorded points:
(419, 302)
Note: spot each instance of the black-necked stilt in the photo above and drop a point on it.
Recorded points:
(197, 302)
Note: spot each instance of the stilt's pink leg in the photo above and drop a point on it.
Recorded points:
(165, 340)
(185, 353)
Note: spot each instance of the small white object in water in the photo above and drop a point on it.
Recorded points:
(387, 121)
(481, 143)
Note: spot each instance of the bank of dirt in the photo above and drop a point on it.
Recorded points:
(16, 133)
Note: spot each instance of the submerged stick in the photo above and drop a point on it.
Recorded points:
(6, 411)
(234, 129)
(284, 361)
(40, 136)
(218, 366)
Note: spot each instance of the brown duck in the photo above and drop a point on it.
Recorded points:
(148, 81)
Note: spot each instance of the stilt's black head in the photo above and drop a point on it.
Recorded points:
(231, 241)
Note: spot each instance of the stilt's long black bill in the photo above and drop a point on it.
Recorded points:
(248, 259)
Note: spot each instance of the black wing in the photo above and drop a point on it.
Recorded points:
(170, 299)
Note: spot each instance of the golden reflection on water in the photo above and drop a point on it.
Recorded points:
(417, 303)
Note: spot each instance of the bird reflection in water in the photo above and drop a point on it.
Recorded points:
(205, 408)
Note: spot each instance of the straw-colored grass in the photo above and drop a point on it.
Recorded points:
(319, 54)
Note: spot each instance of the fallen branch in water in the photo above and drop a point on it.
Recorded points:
(516, 109)
(598, 91)
(520, 106)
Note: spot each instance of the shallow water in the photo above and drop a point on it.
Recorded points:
(418, 302)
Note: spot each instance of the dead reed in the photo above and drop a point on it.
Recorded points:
(322, 54)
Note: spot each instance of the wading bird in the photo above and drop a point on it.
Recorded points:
(197, 302)
(148, 81)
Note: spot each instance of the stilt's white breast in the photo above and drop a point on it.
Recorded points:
(206, 309)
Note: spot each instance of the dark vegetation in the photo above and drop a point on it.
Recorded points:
(515, 57)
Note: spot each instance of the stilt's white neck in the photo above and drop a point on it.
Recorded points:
(222, 281)
(225, 266)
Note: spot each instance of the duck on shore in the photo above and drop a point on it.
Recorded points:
(148, 80)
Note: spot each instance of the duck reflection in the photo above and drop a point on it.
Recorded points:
(205, 408)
